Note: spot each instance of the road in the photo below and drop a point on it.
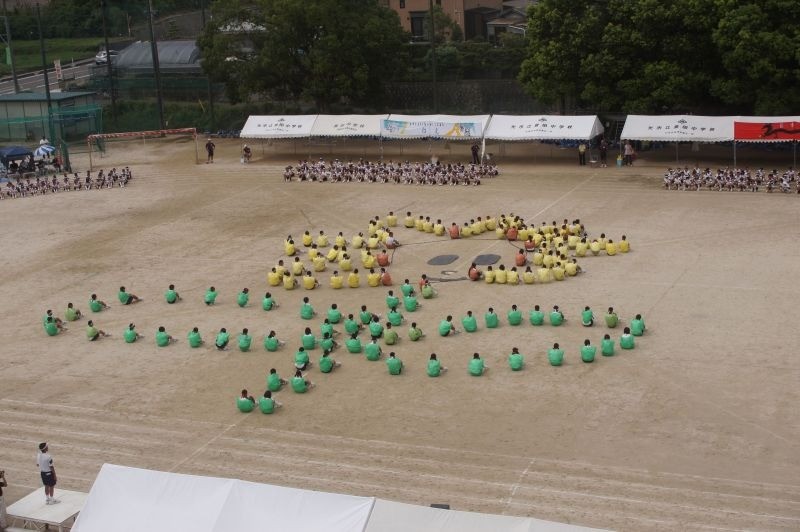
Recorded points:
(35, 81)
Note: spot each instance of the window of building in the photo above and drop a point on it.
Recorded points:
(402, 4)
(418, 24)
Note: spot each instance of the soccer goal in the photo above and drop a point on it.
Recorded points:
(99, 144)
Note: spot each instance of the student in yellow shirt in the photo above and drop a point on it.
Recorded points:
(319, 263)
(368, 260)
(558, 272)
(340, 240)
(491, 223)
(427, 226)
(419, 223)
(489, 275)
(513, 275)
(391, 219)
(288, 247)
(358, 241)
(345, 263)
(273, 277)
(313, 252)
(337, 281)
(438, 228)
(373, 242)
(501, 275)
(298, 267)
(581, 248)
(409, 220)
(354, 280)
(571, 268)
(289, 282)
(611, 248)
(373, 278)
(322, 240)
(280, 268)
(466, 231)
(307, 239)
(309, 281)
(528, 277)
(543, 274)
(595, 247)
(624, 245)
(333, 254)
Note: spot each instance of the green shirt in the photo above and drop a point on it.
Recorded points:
(301, 358)
(351, 326)
(51, 328)
(611, 320)
(306, 311)
(587, 317)
(392, 301)
(588, 352)
(427, 291)
(365, 317)
(266, 405)
(222, 338)
(445, 327)
(434, 368)
(353, 345)
(325, 364)
(91, 331)
(555, 356)
(637, 327)
(95, 306)
(372, 351)
(299, 385)
(244, 404)
(210, 297)
(515, 361)
(556, 318)
(415, 334)
(395, 365)
(395, 318)
(492, 321)
(476, 367)
(327, 343)
(537, 317)
(410, 303)
(607, 347)
(375, 329)
(129, 335)
(194, 339)
(326, 328)
(242, 299)
(71, 314)
(274, 382)
(334, 315)
(406, 289)
(626, 341)
(390, 337)
(309, 341)
(267, 303)
(162, 339)
(171, 296)
(271, 343)
(123, 297)
(514, 317)
(244, 342)
(469, 323)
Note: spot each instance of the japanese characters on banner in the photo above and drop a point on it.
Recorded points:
(679, 128)
(288, 126)
(430, 128)
(766, 131)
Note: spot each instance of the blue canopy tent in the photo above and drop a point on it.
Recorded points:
(14, 153)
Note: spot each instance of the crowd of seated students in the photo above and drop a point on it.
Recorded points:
(408, 173)
(731, 179)
(33, 186)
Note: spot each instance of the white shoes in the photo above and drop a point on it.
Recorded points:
(52, 501)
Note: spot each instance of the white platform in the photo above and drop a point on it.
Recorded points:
(32, 509)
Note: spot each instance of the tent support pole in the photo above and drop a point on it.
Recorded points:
(794, 155)
(677, 160)
(734, 154)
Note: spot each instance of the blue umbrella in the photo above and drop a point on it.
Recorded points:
(44, 150)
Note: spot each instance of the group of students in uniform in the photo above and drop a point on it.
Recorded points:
(34, 186)
(407, 173)
(731, 179)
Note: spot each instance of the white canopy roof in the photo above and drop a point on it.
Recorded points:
(348, 125)
(434, 126)
(542, 127)
(678, 128)
(278, 126)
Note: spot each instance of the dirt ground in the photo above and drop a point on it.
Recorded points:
(697, 428)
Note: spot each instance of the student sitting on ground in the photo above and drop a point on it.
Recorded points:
(274, 381)
(267, 404)
(299, 384)
(515, 360)
(469, 322)
(93, 333)
(171, 296)
(588, 351)
(194, 338)
(626, 341)
(611, 318)
(415, 333)
(373, 351)
(446, 327)
(435, 368)
(271, 342)
(476, 366)
(307, 312)
(244, 340)
(607, 346)
(637, 325)
(390, 336)
(491, 319)
(394, 364)
(223, 337)
(72, 314)
(555, 355)
(353, 344)
(245, 403)
(536, 316)
(243, 297)
(514, 316)
(125, 298)
(131, 335)
(556, 316)
(327, 364)
(211, 296)
(268, 303)
(587, 317)
(95, 305)
(163, 339)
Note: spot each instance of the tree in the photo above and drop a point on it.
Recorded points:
(330, 51)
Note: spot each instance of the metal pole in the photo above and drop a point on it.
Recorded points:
(110, 71)
(734, 155)
(433, 58)
(156, 68)
(51, 131)
(203, 12)
(10, 49)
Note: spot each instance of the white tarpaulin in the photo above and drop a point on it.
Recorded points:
(348, 125)
(543, 127)
(126, 499)
(434, 126)
(278, 127)
(678, 128)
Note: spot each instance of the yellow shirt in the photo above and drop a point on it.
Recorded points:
(346, 265)
(624, 246)
(466, 231)
(491, 224)
(522, 235)
(558, 273)
(373, 228)
(289, 249)
(571, 268)
(488, 276)
(548, 261)
(280, 269)
(353, 280)
(322, 241)
(382, 235)
(500, 276)
(543, 274)
(500, 233)
(558, 240)
(562, 249)
(476, 228)
(374, 279)
(307, 239)
(309, 282)
(273, 278)
(288, 282)
(418, 223)
(391, 220)
(611, 248)
(373, 242)
(595, 247)
(337, 281)
(438, 229)
(528, 277)
(580, 249)
(427, 227)
(537, 238)
(358, 241)
(409, 222)
(340, 241)
(513, 277)
(369, 261)
(572, 241)
(298, 268)
(538, 258)
(333, 254)
(319, 264)
(313, 253)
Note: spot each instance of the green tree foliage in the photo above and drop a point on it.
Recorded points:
(329, 51)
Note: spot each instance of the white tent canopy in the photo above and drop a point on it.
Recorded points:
(543, 127)
(126, 499)
(278, 126)
(678, 128)
(449, 127)
(348, 125)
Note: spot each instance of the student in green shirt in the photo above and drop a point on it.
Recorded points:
(366, 316)
(223, 337)
(588, 351)
(469, 322)
(427, 291)
(125, 298)
(515, 360)
(194, 338)
(407, 288)
(72, 314)
(244, 340)
(392, 300)
(394, 364)
(301, 359)
(587, 317)
(243, 298)
(131, 335)
(93, 333)
(49, 314)
(477, 366)
(245, 403)
(328, 343)
(268, 303)
(353, 344)
(271, 342)
(267, 404)
(626, 340)
(334, 314)
(536, 316)
(415, 333)
(211, 296)
(611, 318)
(514, 316)
(327, 364)
(395, 317)
(373, 351)
(50, 326)
(308, 340)
(375, 328)
(446, 327)
(95, 305)
(306, 310)
(274, 381)
(162, 338)
(351, 326)
(171, 295)
(607, 346)
(327, 328)
(390, 336)
(491, 319)
(637, 325)
(556, 316)
(410, 302)
(435, 367)
(299, 384)
(555, 355)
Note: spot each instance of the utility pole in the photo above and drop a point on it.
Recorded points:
(156, 68)
(433, 58)
(110, 70)
(10, 48)
(51, 130)
(203, 12)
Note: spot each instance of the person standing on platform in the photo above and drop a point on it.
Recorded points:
(48, 473)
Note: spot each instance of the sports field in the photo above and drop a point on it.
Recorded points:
(695, 429)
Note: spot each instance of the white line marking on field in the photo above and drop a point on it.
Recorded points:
(515, 487)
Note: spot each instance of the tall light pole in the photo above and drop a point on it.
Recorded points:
(156, 67)
(10, 48)
(433, 58)
(50, 128)
(109, 70)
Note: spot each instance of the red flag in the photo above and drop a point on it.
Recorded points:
(766, 130)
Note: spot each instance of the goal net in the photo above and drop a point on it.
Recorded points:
(101, 145)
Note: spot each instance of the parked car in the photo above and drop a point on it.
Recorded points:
(101, 59)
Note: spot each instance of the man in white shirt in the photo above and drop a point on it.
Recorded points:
(48, 473)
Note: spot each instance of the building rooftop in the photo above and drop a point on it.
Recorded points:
(172, 55)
